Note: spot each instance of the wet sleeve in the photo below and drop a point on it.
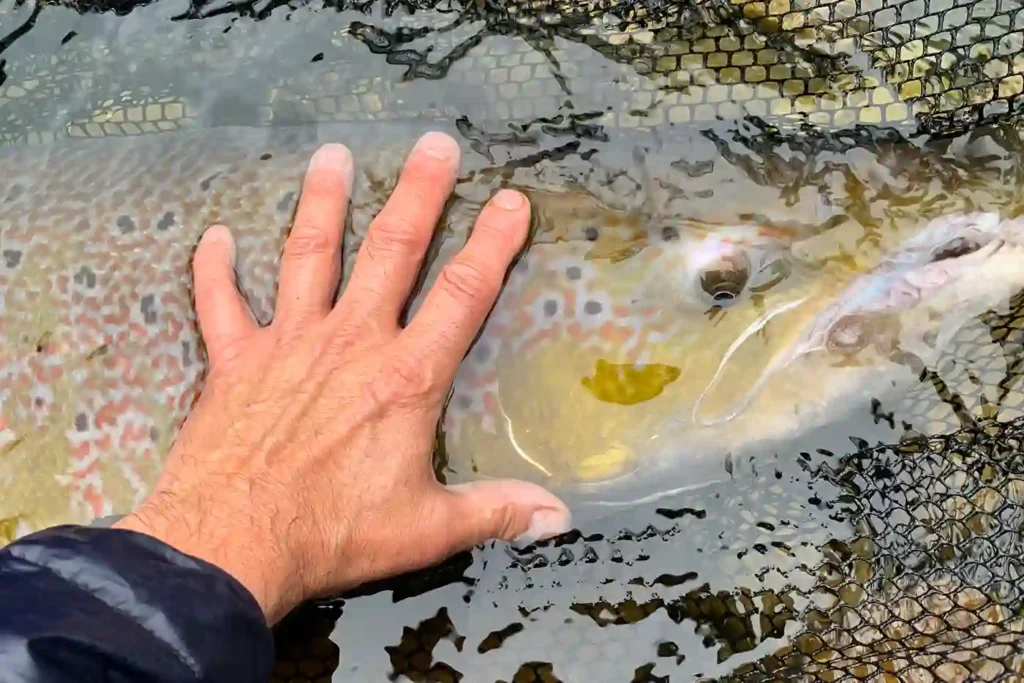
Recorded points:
(89, 605)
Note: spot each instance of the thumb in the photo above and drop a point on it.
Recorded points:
(503, 509)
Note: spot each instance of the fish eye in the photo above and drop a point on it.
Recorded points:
(725, 278)
(850, 333)
(955, 248)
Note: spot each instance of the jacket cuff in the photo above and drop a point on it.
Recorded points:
(79, 599)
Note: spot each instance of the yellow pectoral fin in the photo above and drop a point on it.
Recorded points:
(625, 384)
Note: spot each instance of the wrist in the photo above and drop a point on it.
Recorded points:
(238, 549)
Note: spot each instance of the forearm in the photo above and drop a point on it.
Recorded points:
(87, 604)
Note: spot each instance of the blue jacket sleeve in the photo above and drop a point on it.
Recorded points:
(89, 605)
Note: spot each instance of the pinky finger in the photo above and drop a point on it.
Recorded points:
(224, 317)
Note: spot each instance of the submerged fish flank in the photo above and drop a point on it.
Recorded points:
(625, 349)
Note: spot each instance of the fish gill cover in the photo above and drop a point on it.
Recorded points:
(883, 544)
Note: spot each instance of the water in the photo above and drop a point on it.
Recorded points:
(707, 580)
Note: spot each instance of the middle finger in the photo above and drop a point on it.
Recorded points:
(392, 253)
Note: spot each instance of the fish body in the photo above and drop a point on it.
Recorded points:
(626, 347)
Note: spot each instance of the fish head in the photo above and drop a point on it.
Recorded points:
(600, 338)
(597, 375)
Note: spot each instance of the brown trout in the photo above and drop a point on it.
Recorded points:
(631, 348)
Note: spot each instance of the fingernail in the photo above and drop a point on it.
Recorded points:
(438, 145)
(331, 155)
(545, 523)
(509, 199)
(219, 234)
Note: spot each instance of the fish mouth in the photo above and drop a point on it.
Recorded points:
(910, 304)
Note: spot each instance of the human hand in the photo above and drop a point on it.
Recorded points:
(305, 467)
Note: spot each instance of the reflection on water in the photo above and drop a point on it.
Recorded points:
(686, 265)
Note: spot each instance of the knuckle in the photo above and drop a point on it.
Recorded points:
(466, 281)
(392, 234)
(307, 240)
(403, 379)
(507, 521)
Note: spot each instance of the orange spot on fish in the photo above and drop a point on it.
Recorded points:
(104, 442)
(524, 320)
(485, 379)
(490, 400)
(538, 338)
(620, 311)
(81, 451)
(570, 302)
(106, 415)
(94, 499)
(529, 295)
(773, 232)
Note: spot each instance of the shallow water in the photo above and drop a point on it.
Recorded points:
(694, 584)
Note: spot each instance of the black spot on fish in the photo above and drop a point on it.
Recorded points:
(14, 192)
(205, 183)
(318, 57)
(591, 234)
(669, 233)
(481, 352)
(154, 434)
(285, 203)
(81, 422)
(148, 309)
(86, 277)
(82, 225)
(186, 354)
(38, 402)
(266, 156)
(592, 307)
(573, 272)
(464, 402)
(550, 307)
(126, 224)
(166, 221)
(12, 257)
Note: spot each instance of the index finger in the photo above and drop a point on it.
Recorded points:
(457, 305)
